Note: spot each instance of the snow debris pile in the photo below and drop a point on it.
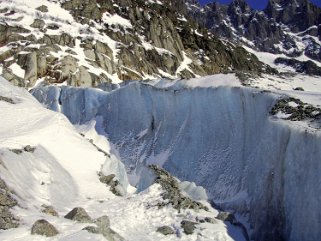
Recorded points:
(295, 110)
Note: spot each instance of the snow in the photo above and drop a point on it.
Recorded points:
(311, 84)
(17, 70)
(281, 115)
(214, 81)
(293, 104)
(116, 20)
(62, 171)
(268, 58)
(184, 64)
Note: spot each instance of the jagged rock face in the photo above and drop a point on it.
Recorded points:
(298, 14)
(306, 67)
(99, 41)
(285, 26)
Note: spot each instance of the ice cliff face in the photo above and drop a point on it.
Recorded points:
(221, 138)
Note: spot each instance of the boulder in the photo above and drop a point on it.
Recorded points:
(115, 186)
(44, 228)
(103, 227)
(166, 230)
(226, 217)
(188, 226)
(210, 220)
(106, 179)
(42, 8)
(79, 214)
(28, 148)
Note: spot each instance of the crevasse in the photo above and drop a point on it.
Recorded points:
(221, 138)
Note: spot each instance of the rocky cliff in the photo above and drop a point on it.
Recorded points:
(290, 27)
(85, 43)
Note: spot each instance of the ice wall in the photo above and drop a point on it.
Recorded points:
(221, 138)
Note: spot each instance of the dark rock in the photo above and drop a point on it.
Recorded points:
(53, 26)
(210, 220)
(44, 228)
(6, 99)
(226, 217)
(188, 226)
(106, 179)
(38, 23)
(305, 67)
(114, 185)
(79, 214)
(302, 111)
(166, 230)
(42, 8)
(298, 89)
(172, 193)
(28, 148)
(3, 10)
(16, 151)
(7, 220)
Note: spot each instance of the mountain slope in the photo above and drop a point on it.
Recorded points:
(87, 43)
(289, 27)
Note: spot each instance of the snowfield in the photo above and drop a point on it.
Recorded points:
(62, 172)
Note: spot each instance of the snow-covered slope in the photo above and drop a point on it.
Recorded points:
(60, 168)
(222, 137)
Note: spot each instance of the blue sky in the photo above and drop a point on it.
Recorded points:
(258, 4)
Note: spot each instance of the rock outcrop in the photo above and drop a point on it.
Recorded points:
(148, 40)
(296, 110)
(284, 26)
(103, 227)
(305, 67)
(172, 194)
(79, 214)
(114, 185)
(7, 220)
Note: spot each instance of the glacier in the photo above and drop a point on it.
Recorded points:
(222, 138)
